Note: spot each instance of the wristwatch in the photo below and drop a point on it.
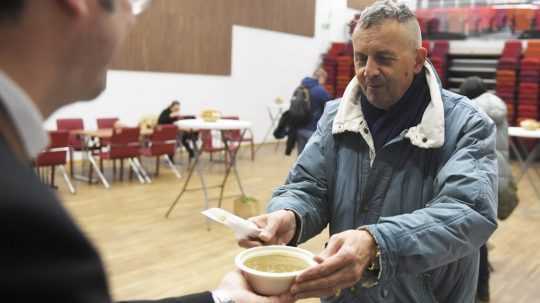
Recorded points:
(221, 297)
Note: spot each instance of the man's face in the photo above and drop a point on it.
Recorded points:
(385, 62)
(102, 32)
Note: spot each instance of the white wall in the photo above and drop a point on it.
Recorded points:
(265, 65)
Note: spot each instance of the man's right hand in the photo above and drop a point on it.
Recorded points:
(277, 229)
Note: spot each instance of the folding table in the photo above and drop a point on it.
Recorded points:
(222, 126)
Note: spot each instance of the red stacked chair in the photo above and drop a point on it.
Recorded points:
(345, 72)
(55, 156)
(506, 77)
(486, 16)
(523, 19)
(439, 58)
(330, 66)
(499, 20)
(536, 24)
(339, 65)
(529, 81)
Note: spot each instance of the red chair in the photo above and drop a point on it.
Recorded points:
(235, 136)
(55, 156)
(124, 145)
(106, 123)
(75, 142)
(208, 144)
(162, 142)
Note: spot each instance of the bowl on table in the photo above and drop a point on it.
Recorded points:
(210, 115)
(271, 270)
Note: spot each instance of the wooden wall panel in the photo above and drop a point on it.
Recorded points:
(195, 36)
(359, 4)
(288, 16)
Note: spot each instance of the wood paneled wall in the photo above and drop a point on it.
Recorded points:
(359, 4)
(195, 36)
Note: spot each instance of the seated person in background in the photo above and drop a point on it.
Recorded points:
(168, 116)
(494, 107)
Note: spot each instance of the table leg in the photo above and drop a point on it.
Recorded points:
(517, 148)
(190, 174)
(233, 153)
(274, 119)
(527, 164)
(96, 169)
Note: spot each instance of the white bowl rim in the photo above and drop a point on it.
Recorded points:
(294, 251)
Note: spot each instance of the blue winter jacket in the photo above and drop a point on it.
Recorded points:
(318, 97)
(428, 196)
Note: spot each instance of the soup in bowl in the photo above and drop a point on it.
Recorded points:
(270, 270)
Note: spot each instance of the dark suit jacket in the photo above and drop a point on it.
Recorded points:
(44, 256)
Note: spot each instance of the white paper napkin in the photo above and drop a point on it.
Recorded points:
(242, 228)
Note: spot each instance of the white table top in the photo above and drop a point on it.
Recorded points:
(221, 124)
(523, 133)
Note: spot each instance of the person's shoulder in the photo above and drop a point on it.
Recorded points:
(331, 108)
(461, 108)
(321, 88)
(330, 111)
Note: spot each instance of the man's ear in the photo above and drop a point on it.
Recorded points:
(421, 54)
(75, 7)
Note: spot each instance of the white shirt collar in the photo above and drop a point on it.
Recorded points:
(428, 134)
(25, 116)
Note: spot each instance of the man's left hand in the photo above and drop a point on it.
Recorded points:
(341, 265)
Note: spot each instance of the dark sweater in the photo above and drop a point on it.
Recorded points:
(165, 117)
(386, 125)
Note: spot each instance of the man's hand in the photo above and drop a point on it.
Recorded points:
(277, 229)
(341, 265)
(235, 287)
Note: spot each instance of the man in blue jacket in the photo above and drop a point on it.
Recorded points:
(318, 97)
(403, 172)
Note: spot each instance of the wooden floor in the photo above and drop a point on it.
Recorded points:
(148, 256)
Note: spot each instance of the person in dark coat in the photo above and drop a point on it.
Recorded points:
(52, 54)
(318, 97)
(170, 115)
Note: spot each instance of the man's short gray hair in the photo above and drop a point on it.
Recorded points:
(384, 10)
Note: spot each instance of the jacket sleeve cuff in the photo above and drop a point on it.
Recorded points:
(300, 214)
(385, 262)
(298, 229)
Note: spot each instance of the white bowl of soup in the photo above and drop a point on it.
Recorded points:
(270, 270)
